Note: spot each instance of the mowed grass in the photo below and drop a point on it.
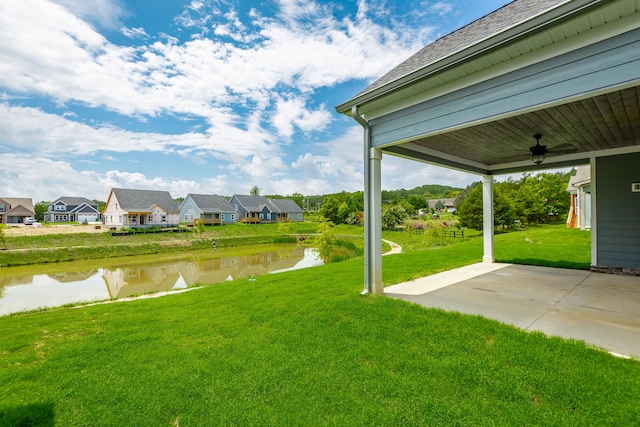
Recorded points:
(304, 348)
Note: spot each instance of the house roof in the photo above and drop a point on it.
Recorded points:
(74, 201)
(251, 203)
(447, 201)
(144, 200)
(284, 206)
(14, 202)
(452, 44)
(211, 202)
(582, 177)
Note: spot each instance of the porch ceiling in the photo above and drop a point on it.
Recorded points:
(573, 132)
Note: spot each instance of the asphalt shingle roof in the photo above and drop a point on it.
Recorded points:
(212, 202)
(143, 200)
(251, 203)
(73, 201)
(483, 28)
(284, 206)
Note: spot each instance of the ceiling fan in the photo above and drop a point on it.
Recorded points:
(538, 151)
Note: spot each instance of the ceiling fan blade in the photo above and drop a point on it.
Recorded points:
(563, 149)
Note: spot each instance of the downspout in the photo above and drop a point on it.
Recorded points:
(372, 237)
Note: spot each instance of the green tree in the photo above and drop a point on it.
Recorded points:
(325, 240)
(462, 195)
(418, 202)
(255, 191)
(439, 206)
(329, 208)
(393, 215)
(343, 213)
(40, 209)
(298, 198)
(470, 211)
(100, 204)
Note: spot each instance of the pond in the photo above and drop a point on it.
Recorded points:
(33, 287)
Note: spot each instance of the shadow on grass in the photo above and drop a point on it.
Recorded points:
(35, 414)
(548, 263)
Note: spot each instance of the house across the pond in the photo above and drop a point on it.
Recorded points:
(259, 209)
(72, 209)
(208, 209)
(14, 210)
(140, 208)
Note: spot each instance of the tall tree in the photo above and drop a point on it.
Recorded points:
(40, 209)
(255, 191)
(298, 198)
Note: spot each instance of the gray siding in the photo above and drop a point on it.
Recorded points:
(585, 70)
(618, 211)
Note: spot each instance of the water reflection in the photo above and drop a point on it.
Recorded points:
(20, 291)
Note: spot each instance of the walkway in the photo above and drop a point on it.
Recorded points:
(600, 309)
(395, 248)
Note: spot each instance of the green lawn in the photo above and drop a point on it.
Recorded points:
(304, 348)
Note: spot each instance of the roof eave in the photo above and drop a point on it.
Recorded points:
(536, 23)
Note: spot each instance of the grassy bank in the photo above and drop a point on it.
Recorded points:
(304, 348)
(25, 250)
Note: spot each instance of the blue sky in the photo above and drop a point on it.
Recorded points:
(202, 96)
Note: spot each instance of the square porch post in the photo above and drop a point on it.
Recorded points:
(487, 218)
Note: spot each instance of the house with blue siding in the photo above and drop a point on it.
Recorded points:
(251, 209)
(72, 209)
(208, 209)
(285, 210)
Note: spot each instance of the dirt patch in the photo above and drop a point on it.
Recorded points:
(29, 230)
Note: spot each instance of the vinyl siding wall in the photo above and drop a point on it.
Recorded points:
(618, 211)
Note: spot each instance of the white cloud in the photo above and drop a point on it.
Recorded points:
(106, 13)
(63, 180)
(134, 33)
(441, 8)
(240, 91)
(50, 134)
(293, 112)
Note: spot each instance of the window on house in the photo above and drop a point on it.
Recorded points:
(299, 216)
(60, 207)
(164, 218)
(190, 207)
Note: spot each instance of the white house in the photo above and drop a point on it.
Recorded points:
(140, 208)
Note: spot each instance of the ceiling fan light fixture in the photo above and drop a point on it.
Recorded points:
(538, 151)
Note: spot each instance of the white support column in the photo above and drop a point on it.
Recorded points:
(594, 213)
(373, 223)
(487, 218)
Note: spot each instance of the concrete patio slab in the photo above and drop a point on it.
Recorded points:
(600, 309)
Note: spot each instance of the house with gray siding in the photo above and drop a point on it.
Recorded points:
(72, 209)
(209, 209)
(534, 85)
(13, 210)
(285, 210)
(251, 209)
(140, 208)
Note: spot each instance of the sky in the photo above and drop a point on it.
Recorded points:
(203, 96)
